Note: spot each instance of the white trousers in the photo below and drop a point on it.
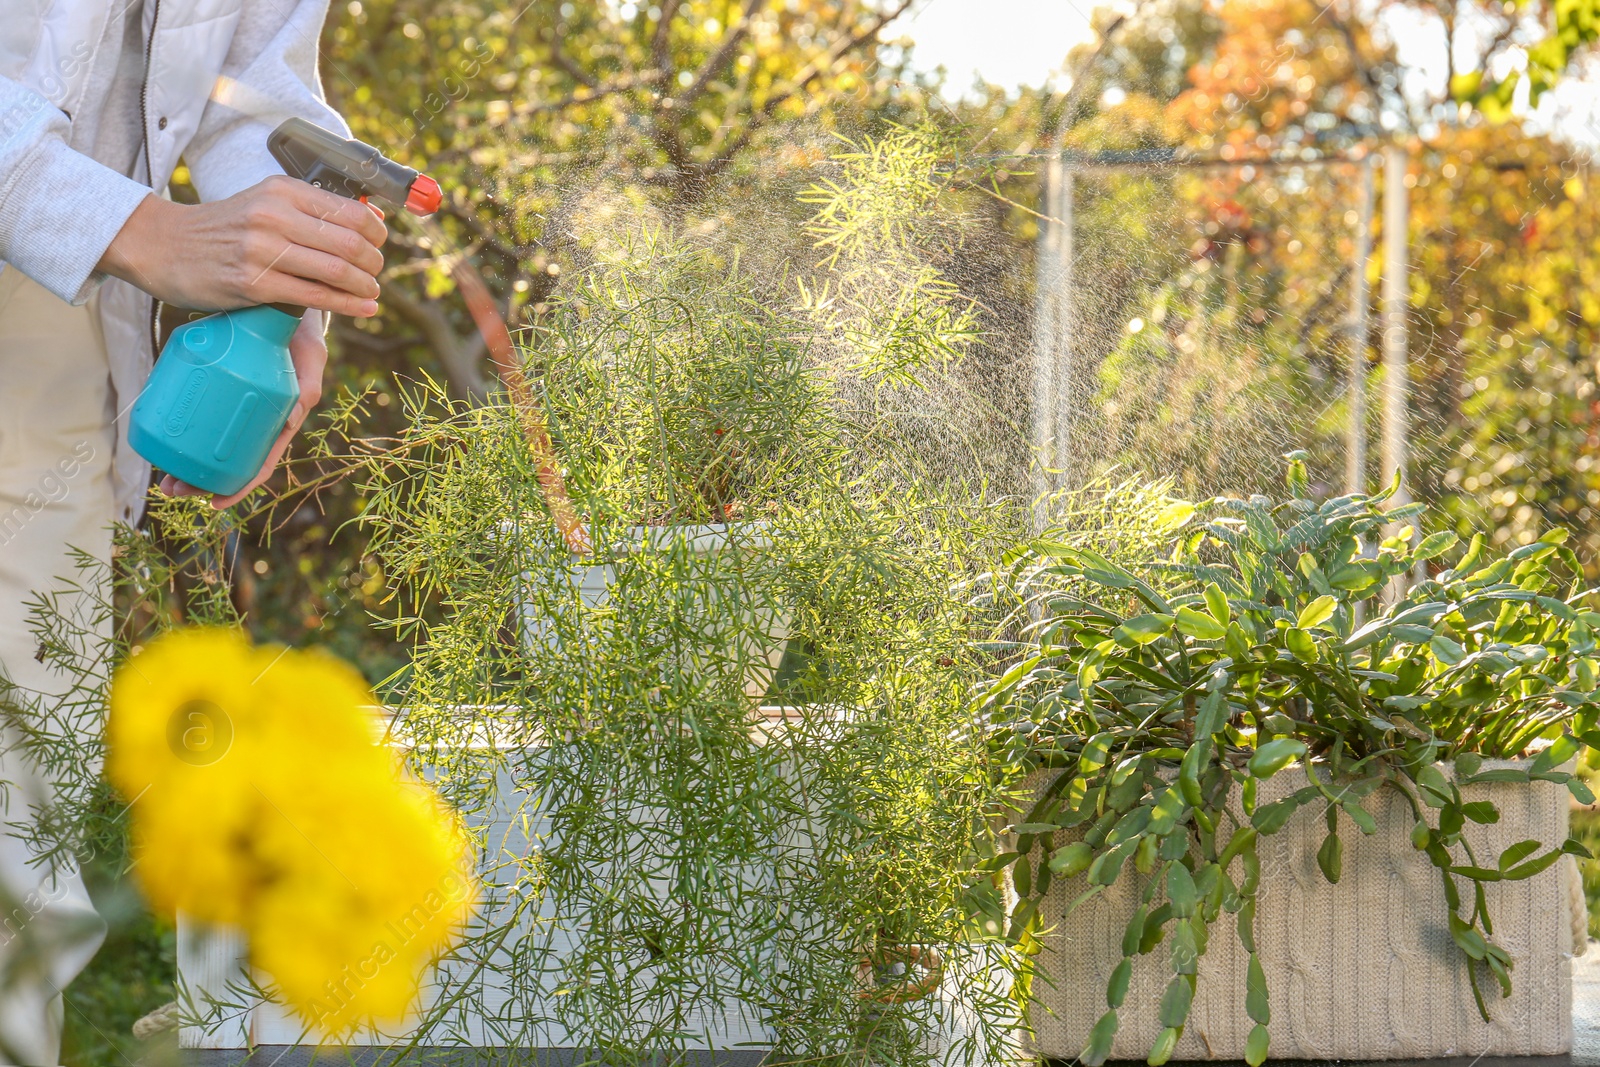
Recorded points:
(56, 437)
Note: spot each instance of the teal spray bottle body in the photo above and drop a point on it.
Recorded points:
(219, 396)
(224, 386)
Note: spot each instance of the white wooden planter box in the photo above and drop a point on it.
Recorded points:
(762, 628)
(211, 963)
(1362, 970)
(522, 1007)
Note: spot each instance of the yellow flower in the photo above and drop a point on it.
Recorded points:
(263, 798)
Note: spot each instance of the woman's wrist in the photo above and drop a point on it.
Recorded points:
(134, 253)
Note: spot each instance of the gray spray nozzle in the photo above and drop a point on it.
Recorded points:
(349, 168)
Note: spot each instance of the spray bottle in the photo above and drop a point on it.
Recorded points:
(224, 386)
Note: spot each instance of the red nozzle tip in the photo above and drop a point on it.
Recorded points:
(424, 196)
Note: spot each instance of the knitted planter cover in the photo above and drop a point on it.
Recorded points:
(1362, 970)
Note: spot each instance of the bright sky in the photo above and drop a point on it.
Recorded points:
(1009, 42)
(1025, 42)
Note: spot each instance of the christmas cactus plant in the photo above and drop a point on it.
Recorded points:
(1274, 640)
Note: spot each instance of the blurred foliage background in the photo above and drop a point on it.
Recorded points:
(1212, 300)
(1209, 333)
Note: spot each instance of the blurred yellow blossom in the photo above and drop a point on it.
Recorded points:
(264, 798)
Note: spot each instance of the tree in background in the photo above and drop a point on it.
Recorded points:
(533, 114)
(1504, 229)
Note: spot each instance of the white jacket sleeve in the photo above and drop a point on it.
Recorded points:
(270, 75)
(59, 209)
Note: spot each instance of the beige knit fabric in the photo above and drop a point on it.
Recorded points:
(1363, 970)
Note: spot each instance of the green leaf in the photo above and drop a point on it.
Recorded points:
(1217, 604)
(1199, 626)
(1168, 807)
(1213, 713)
(1366, 635)
(1117, 987)
(1256, 1046)
(1072, 860)
(1470, 941)
(1435, 545)
(1176, 1000)
(1330, 857)
(1194, 761)
(1242, 839)
(1352, 578)
(1300, 644)
(1255, 992)
(1110, 579)
(1533, 867)
(1108, 865)
(1094, 754)
(1155, 928)
(1499, 774)
(1186, 935)
(1237, 644)
(1181, 890)
(1497, 967)
(1560, 751)
(1477, 874)
(1467, 764)
(1360, 816)
(1516, 853)
(1317, 612)
(1162, 1050)
(1420, 836)
(1144, 629)
(1435, 789)
(1133, 933)
(1580, 790)
(1269, 818)
(1446, 651)
(1451, 819)
(1098, 1050)
(1481, 811)
(1274, 756)
(1130, 826)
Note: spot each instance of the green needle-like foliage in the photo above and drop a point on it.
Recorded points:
(669, 852)
(1165, 693)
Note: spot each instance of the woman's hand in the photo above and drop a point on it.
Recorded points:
(310, 355)
(279, 241)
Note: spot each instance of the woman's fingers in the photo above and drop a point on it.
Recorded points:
(291, 289)
(337, 211)
(317, 266)
(341, 242)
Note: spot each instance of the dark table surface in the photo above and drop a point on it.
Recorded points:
(1585, 1046)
